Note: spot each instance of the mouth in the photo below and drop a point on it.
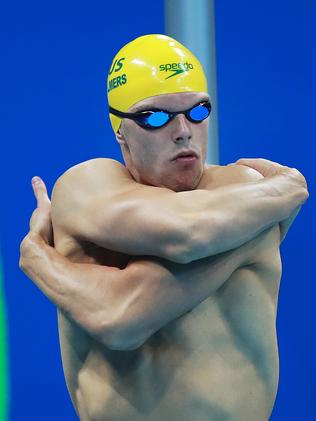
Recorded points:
(185, 156)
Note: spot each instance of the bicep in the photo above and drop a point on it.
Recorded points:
(136, 223)
(117, 302)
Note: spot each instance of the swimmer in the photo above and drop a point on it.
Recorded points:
(165, 270)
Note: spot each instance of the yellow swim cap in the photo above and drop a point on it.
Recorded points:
(148, 66)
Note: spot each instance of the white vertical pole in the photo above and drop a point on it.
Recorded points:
(192, 22)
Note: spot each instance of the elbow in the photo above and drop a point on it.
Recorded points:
(201, 242)
(130, 335)
(123, 325)
(118, 339)
(182, 244)
(185, 250)
(126, 345)
(130, 319)
(108, 336)
(185, 256)
(182, 256)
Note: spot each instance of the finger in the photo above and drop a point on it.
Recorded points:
(40, 191)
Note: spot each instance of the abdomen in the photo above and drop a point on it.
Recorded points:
(208, 364)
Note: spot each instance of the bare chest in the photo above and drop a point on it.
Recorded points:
(209, 361)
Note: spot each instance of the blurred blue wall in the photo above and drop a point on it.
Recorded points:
(54, 115)
(54, 62)
(266, 71)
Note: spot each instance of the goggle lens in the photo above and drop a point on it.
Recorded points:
(157, 119)
(199, 113)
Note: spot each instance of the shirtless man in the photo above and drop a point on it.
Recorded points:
(167, 272)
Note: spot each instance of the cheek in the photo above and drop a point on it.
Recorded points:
(151, 155)
(141, 149)
(203, 127)
(203, 134)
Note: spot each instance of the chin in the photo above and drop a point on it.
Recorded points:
(181, 181)
(184, 185)
(188, 182)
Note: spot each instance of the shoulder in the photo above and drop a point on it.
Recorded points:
(236, 171)
(80, 184)
(87, 170)
(243, 173)
(90, 176)
(220, 175)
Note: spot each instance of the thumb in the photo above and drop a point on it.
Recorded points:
(40, 192)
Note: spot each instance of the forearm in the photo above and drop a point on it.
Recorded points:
(82, 291)
(287, 223)
(187, 226)
(122, 308)
(236, 214)
(166, 290)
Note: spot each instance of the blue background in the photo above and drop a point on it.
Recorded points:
(54, 61)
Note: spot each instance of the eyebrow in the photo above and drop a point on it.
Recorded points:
(153, 107)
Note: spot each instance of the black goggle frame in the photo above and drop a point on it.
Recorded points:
(139, 116)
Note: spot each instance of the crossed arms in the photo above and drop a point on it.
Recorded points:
(122, 215)
(122, 308)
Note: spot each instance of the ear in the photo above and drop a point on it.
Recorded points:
(120, 137)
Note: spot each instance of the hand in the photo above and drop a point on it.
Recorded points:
(270, 169)
(41, 229)
(41, 221)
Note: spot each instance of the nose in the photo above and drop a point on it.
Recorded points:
(180, 129)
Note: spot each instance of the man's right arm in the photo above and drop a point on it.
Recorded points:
(122, 215)
(122, 308)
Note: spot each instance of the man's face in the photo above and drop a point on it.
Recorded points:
(150, 155)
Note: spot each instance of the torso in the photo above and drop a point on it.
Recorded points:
(217, 362)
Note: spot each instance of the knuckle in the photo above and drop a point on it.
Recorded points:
(21, 263)
(24, 246)
(294, 170)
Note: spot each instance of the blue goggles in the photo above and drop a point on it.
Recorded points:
(156, 118)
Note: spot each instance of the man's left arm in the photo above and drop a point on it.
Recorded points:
(122, 308)
(242, 174)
